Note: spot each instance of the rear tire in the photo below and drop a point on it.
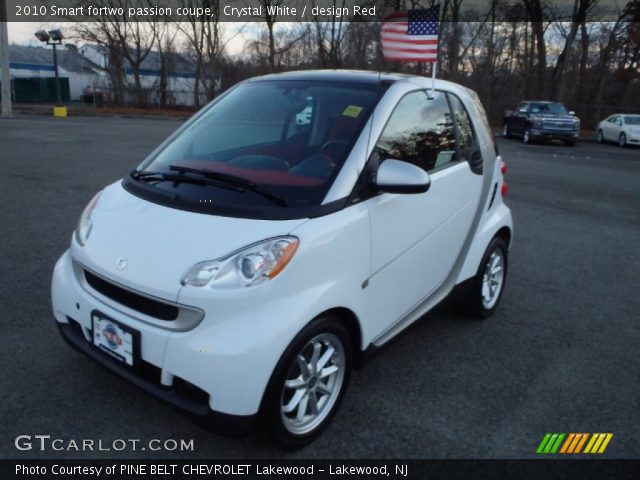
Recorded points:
(308, 383)
(570, 143)
(488, 284)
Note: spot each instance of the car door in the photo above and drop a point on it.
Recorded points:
(416, 238)
(610, 128)
(521, 115)
(620, 127)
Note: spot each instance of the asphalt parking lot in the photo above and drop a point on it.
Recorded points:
(560, 355)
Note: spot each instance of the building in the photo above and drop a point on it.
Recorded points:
(180, 76)
(83, 72)
(33, 73)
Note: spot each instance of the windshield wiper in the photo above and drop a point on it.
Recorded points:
(228, 179)
(150, 176)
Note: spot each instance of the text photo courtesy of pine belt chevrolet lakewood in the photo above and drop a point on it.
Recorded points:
(288, 229)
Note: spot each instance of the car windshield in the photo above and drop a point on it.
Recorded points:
(548, 108)
(283, 138)
(632, 119)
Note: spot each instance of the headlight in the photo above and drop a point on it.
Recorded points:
(84, 223)
(250, 265)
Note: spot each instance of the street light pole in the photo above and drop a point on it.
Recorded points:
(54, 38)
(6, 111)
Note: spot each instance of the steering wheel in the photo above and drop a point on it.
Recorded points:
(331, 143)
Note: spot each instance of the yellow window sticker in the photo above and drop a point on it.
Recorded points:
(352, 111)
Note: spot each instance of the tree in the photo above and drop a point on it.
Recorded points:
(204, 39)
(536, 17)
(559, 78)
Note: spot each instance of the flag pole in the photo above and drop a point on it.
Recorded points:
(433, 76)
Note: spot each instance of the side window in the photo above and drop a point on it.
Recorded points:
(419, 131)
(463, 123)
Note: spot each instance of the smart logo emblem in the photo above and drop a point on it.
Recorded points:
(574, 443)
(110, 334)
(121, 263)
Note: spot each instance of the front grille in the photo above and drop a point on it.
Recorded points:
(139, 303)
(558, 125)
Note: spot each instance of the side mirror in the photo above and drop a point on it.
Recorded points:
(395, 176)
(523, 110)
(619, 122)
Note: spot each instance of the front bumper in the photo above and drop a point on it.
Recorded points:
(550, 134)
(217, 371)
(182, 395)
(633, 139)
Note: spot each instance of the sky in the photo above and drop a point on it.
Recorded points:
(22, 32)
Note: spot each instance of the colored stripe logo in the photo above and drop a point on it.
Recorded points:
(573, 443)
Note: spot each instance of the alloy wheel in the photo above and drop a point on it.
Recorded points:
(313, 384)
(493, 278)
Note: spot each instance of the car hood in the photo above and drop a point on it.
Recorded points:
(159, 244)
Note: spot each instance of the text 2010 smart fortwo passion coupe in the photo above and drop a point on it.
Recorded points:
(291, 226)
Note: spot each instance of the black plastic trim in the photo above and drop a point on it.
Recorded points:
(199, 409)
(139, 303)
(160, 197)
(493, 196)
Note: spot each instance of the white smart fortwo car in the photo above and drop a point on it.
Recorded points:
(252, 260)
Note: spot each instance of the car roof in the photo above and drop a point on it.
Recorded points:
(344, 76)
(365, 77)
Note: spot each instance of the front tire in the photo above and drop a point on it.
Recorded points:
(600, 137)
(526, 136)
(570, 143)
(308, 383)
(488, 284)
(622, 140)
(506, 131)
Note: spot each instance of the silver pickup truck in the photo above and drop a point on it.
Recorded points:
(535, 120)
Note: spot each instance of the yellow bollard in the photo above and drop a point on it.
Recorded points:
(60, 112)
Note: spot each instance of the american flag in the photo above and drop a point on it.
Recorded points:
(411, 35)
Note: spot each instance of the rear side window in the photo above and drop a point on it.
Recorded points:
(420, 131)
(463, 123)
(482, 121)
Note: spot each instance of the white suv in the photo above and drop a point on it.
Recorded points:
(250, 261)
